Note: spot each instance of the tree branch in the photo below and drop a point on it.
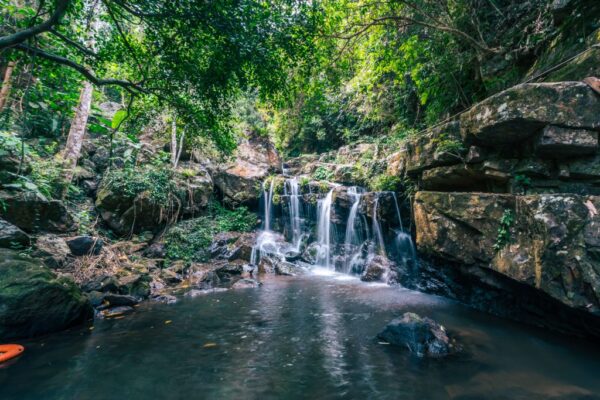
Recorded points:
(127, 85)
(73, 43)
(21, 36)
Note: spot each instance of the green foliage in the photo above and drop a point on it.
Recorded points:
(322, 174)
(304, 182)
(522, 183)
(385, 183)
(190, 240)
(156, 182)
(445, 144)
(506, 222)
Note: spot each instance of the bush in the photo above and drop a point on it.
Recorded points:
(190, 240)
(323, 174)
(131, 181)
(385, 183)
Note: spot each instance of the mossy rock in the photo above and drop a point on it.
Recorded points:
(34, 301)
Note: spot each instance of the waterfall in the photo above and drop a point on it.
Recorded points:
(268, 205)
(264, 241)
(403, 242)
(378, 242)
(292, 191)
(352, 239)
(324, 231)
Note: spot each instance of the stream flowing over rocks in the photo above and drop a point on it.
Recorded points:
(504, 219)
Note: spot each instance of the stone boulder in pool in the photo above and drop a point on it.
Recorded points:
(34, 301)
(421, 335)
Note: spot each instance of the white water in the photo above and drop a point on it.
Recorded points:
(292, 190)
(324, 231)
(378, 242)
(360, 242)
(352, 239)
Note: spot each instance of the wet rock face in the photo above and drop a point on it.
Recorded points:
(33, 301)
(557, 142)
(240, 181)
(552, 242)
(379, 269)
(518, 113)
(460, 227)
(422, 336)
(32, 212)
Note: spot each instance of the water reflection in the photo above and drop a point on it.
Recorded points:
(310, 337)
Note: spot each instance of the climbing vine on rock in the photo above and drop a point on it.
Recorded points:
(506, 222)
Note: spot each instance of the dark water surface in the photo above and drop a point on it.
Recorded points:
(299, 338)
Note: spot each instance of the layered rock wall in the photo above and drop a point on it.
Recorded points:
(510, 192)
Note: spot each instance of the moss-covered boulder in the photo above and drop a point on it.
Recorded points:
(548, 242)
(522, 111)
(32, 212)
(34, 301)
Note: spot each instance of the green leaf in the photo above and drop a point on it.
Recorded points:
(118, 118)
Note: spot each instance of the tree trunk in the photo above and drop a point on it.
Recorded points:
(173, 142)
(6, 85)
(76, 133)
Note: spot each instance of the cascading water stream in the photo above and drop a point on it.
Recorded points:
(323, 258)
(378, 242)
(292, 191)
(268, 204)
(352, 239)
(403, 241)
(264, 241)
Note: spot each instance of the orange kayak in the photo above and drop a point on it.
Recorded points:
(9, 351)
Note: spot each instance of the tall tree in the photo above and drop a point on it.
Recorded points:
(6, 84)
(78, 126)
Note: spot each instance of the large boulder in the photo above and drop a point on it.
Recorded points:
(32, 212)
(240, 181)
(11, 236)
(85, 245)
(126, 214)
(460, 227)
(33, 301)
(548, 242)
(522, 111)
(52, 249)
(421, 335)
(440, 146)
(556, 248)
(198, 187)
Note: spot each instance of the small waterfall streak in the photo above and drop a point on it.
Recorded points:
(265, 238)
(268, 199)
(398, 211)
(323, 258)
(403, 241)
(379, 244)
(351, 240)
(294, 208)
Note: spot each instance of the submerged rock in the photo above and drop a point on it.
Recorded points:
(421, 335)
(34, 301)
(116, 312)
(379, 269)
(246, 283)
